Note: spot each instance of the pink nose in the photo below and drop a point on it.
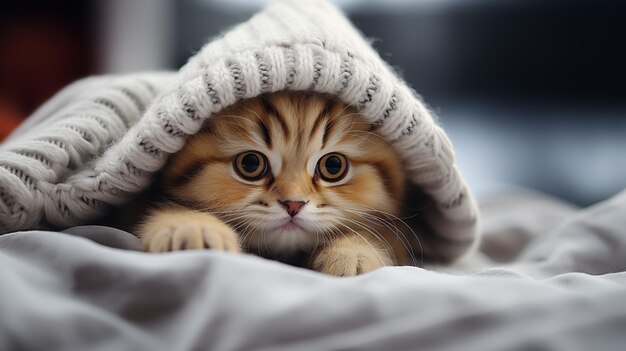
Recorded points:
(292, 207)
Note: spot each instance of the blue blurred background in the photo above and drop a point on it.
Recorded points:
(532, 92)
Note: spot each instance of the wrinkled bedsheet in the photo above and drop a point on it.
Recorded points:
(548, 277)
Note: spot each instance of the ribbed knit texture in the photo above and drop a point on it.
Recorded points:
(100, 141)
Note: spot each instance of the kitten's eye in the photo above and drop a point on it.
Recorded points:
(251, 165)
(332, 167)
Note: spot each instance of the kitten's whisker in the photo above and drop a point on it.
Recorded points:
(395, 218)
(235, 219)
(239, 224)
(331, 230)
(390, 217)
(363, 238)
(365, 207)
(410, 251)
(392, 228)
(376, 235)
(246, 232)
(401, 236)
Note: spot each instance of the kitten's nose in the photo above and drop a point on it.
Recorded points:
(292, 207)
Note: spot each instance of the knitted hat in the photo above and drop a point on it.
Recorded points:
(101, 140)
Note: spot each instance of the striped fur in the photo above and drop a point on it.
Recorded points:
(294, 130)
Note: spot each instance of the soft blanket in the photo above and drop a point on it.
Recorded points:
(548, 277)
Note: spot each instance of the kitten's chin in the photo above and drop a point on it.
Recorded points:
(283, 240)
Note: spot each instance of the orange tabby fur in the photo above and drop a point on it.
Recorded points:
(341, 230)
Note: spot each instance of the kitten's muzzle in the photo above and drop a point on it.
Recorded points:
(292, 207)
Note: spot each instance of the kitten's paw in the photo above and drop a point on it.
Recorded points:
(188, 231)
(348, 258)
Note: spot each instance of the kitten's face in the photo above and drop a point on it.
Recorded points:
(288, 171)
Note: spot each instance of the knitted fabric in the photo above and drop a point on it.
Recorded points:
(100, 141)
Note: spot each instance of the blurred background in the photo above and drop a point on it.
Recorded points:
(531, 92)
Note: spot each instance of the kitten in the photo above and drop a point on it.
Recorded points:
(289, 176)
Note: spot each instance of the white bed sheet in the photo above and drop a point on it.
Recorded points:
(548, 277)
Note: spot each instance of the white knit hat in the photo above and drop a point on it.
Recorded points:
(101, 140)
